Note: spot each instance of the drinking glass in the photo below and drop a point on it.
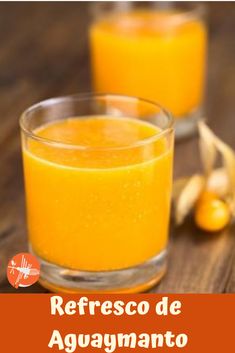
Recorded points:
(155, 51)
(98, 175)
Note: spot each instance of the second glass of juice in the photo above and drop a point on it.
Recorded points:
(156, 52)
(98, 175)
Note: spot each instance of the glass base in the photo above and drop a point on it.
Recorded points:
(131, 280)
(187, 125)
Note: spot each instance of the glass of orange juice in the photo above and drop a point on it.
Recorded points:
(98, 175)
(156, 52)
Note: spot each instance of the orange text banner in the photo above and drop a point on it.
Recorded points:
(33, 323)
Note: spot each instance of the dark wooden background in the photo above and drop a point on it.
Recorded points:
(44, 53)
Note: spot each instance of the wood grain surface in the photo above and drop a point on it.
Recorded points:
(44, 53)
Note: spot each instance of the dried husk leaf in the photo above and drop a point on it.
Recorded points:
(178, 186)
(218, 182)
(228, 156)
(229, 163)
(188, 197)
(207, 148)
(186, 191)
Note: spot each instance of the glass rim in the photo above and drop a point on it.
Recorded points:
(185, 14)
(86, 97)
(191, 10)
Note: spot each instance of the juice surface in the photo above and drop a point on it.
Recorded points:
(151, 54)
(98, 205)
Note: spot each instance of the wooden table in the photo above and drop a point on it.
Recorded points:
(44, 53)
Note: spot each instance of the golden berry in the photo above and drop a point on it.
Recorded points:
(211, 213)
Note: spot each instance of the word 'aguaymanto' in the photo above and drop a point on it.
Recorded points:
(110, 342)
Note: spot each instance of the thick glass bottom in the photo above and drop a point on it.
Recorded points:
(131, 280)
(187, 125)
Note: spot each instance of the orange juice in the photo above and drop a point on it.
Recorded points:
(156, 55)
(93, 203)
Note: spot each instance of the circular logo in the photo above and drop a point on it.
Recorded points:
(23, 270)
